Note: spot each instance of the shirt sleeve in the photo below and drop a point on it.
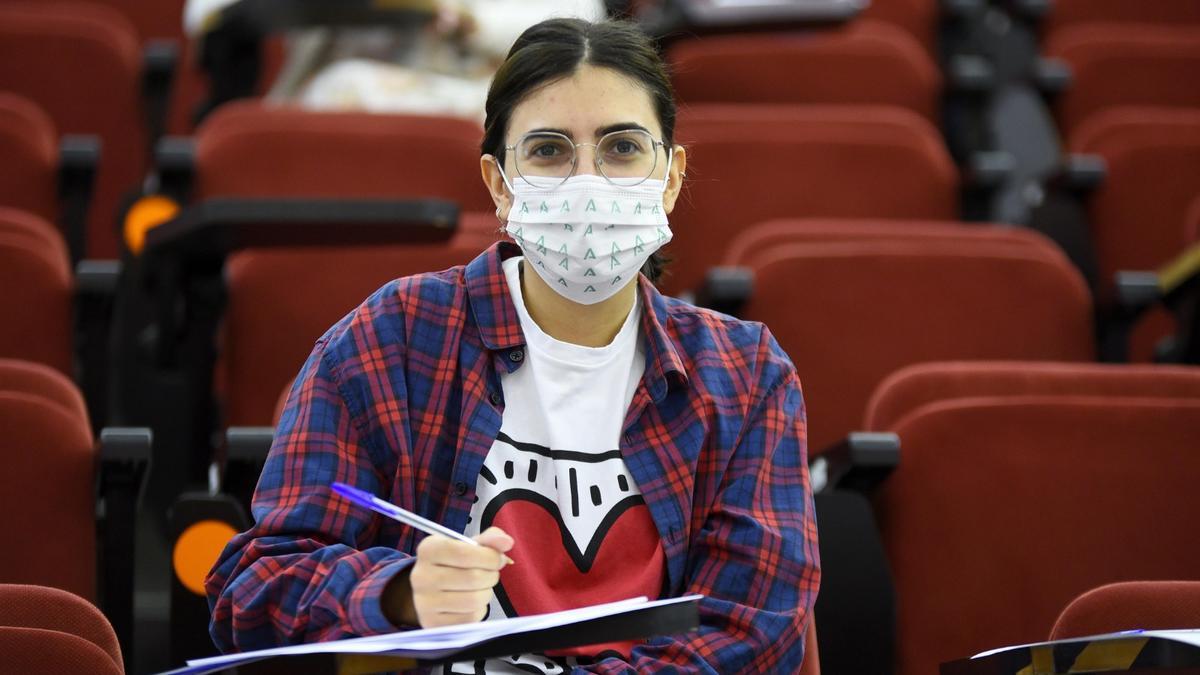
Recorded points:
(756, 558)
(306, 571)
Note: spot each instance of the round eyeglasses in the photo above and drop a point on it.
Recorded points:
(624, 158)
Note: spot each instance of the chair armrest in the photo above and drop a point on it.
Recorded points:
(726, 289)
(95, 295)
(859, 463)
(246, 450)
(124, 462)
(159, 58)
(175, 167)
(78, 157)
(970, 74)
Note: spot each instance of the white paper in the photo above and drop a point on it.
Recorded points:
(445, 637)
(1189, 636)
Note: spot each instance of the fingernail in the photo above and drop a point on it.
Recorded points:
(508, 560)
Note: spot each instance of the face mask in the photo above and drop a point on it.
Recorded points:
(586, 237)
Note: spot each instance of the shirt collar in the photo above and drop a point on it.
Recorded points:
(500, 327)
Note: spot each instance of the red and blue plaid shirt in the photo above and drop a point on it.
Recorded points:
(402, 398)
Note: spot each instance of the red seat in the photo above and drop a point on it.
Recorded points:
(918, 17)
(1165, 12)
(1129, 605)
(34, 651)
(81, 63)
(29, 146)
(851, 302)
(48, 482)
(866, 62)
(247, 149)
(1116, 64)
(1014, 495)
(751, 163)
(1138, 215)
(35, 272)
(282, 300)
(55, 610)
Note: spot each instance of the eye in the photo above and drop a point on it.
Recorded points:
(626, 146)
(545, 150)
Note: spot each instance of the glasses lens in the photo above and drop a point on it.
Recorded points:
(627, 156)
(545, 156)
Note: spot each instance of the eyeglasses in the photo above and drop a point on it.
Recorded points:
(625, 158)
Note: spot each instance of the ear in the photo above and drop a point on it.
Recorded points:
(494, 181)
(675, 177)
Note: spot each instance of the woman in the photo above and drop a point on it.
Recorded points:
(600, 440)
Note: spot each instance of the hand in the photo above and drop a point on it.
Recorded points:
(451, 581)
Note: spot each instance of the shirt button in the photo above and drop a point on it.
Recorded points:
(516, 355)
(460, 488)
(494, 398)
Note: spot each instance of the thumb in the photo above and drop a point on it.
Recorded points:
(495, 538)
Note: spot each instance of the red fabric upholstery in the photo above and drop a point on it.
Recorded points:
(853, 301)
(751, 163)
(246, 149)
(1166, 12)
(29, 146)
(866, 62)
(1150, 605)
(1006, 505)
(54, 609)
(35, 273)
(34, 651)
(918, 17)
(1191, 222)
(1117, 64)
(1138, 215)
(81, 63)
(47, 484)
(281, 301)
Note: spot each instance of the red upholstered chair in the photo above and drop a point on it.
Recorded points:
(29, 146)
(918, 17)
(1066, 13)
(1118, 64)
(1138, 215)
(1020, 486)
(81, 63)
(1129, 605)
(751, 163)
(282, 300)
(35, 651)
(866, 62)
(54, 610)
(247, 149)
(852, 301)
(48, 482)
(35, 272)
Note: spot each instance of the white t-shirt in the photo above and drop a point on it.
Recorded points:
(556, 481)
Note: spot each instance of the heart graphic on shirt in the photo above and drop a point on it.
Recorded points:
(624, 558)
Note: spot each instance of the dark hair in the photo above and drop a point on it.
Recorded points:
(554, 49)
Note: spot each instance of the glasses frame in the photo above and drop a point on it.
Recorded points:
(597, 161)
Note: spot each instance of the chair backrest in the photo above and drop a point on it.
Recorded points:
(29, 146)
(1130, 605)
(1117, 64)
(281, 301)
(53, 609)
(751, 163)
(866, 62)
(247, 149)
(1164, 12)
(81, 63)
(1138, 214)
(917, 17)
(1010, 500)
(853, 301)
(35, 651)
(48, 481)
(35, 273)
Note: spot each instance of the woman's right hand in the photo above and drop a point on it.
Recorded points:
(451, 581)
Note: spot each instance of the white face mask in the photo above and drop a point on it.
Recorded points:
(586, 237)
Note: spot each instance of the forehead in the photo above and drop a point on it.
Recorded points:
(589, 99)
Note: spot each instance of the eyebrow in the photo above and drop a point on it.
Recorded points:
(600, 131)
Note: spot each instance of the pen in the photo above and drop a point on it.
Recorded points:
(370, 501)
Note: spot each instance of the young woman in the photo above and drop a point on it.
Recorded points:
(600, 440)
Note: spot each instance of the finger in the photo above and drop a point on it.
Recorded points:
(495, 538)
(453, 579)
(460, 602)
(446, 552)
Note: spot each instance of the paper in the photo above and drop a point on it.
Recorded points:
(1186, 636)
(433, 642)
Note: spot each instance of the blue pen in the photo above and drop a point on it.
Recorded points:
(370, 501)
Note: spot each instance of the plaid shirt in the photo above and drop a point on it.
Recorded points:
(402, 398)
